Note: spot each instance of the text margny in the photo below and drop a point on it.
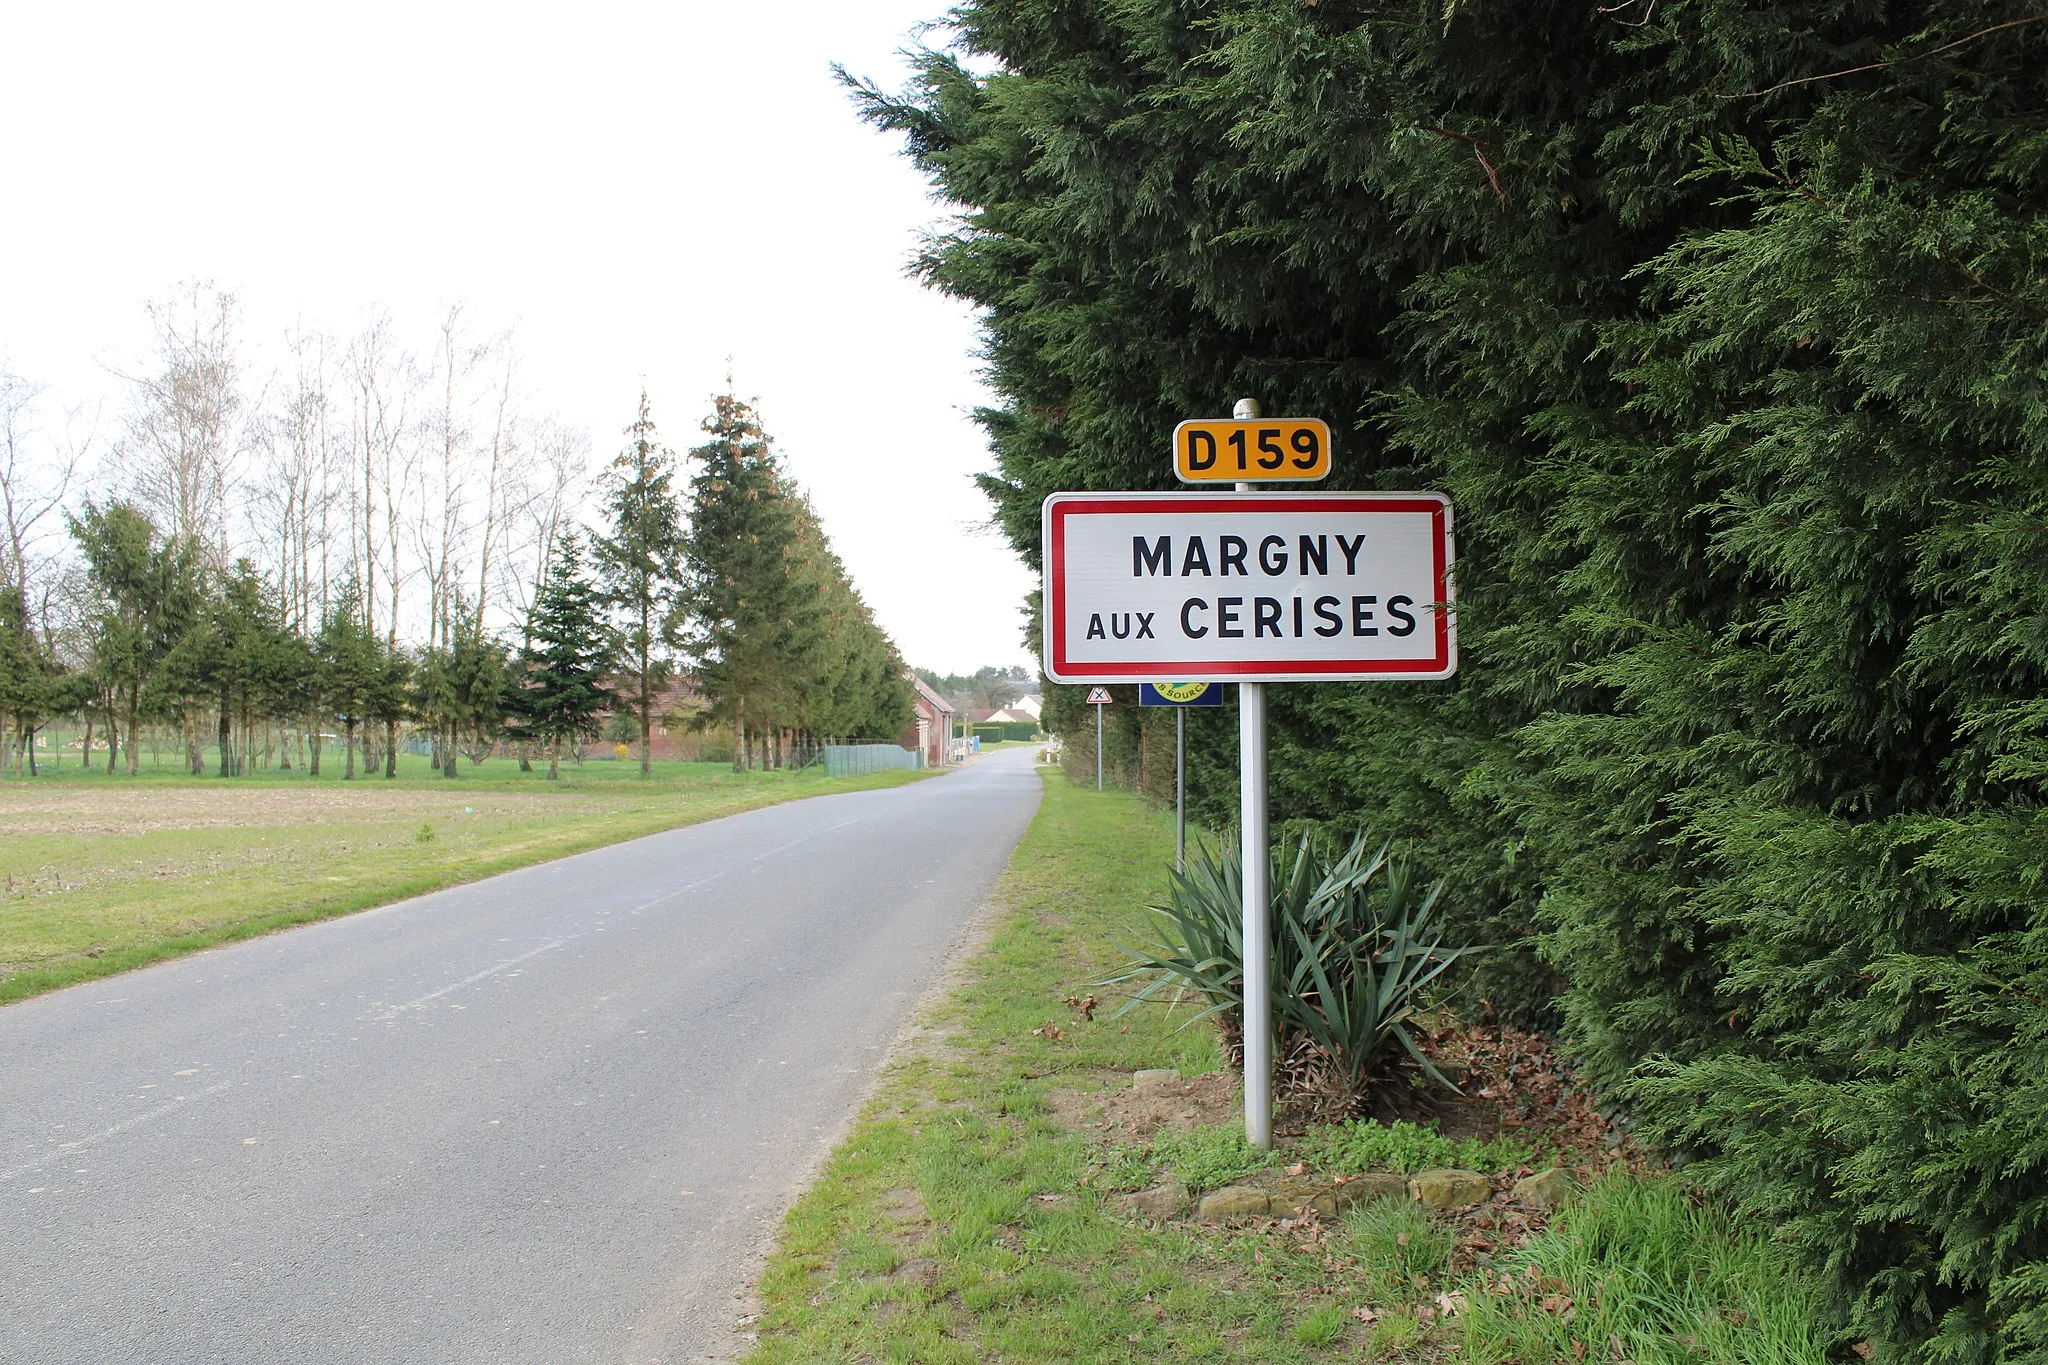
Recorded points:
(1236, 591)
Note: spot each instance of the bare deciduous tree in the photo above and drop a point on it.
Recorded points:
(37, 472)
(293, 503)
(385, 383)
(185, 423)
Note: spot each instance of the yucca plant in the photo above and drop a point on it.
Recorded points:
(1356, 947)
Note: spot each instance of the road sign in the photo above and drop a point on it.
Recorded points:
(1250, 587)
(1181, 694)
(1265, 450)
(1098, 696)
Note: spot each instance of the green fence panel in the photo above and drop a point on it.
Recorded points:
(851, 760)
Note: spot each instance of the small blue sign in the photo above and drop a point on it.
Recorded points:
(1180, 694)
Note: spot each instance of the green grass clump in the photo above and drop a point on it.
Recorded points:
(1321, 1327)
(1393, 1336)
(1638, 1271)
(1368, 1145)
(1400, 1249)
(1205, 1158)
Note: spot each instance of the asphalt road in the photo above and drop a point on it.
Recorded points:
(549, 1117)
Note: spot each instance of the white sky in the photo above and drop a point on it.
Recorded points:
(642, 190)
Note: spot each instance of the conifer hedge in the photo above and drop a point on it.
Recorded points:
(1725, 322)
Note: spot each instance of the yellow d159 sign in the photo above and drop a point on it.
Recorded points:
(1264, 450)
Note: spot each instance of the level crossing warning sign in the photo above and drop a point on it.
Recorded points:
(1249, 587)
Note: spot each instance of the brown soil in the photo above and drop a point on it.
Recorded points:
(141, 810)
(905, 1211)
(1121, 1113)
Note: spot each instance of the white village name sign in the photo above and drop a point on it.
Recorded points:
(1250, 587)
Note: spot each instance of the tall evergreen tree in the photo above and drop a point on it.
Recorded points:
(348, 659)
(738, 557)
(147, 598)
(388, 699)
(477, 679)
(568, 654)
(638, 559)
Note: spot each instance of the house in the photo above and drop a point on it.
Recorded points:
(669, 718)
(931, 734)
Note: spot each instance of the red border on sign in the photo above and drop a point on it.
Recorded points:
(1060, 506)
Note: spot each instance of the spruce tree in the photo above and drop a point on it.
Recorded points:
(388, 697)
(738, 558)
(783, 643)
(347, 657)
(146, 598)
(568, 654)
(477, 669)
(638, 560)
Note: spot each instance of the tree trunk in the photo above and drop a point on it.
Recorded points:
(134, 727)
(391, 748)
(646, 729)
(227, 747)
(313, 758)
(349, 746)
(739, 735)
(29, 740)
(85, 755)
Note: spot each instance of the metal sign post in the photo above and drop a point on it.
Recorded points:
(1251, 587)
(1098, 697)
(1180, 696)
(1256, 951)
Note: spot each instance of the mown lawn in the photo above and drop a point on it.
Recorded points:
(972, 1215)
(100, 874)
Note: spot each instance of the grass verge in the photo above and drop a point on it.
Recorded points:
(969, 1216)
(100, 875)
